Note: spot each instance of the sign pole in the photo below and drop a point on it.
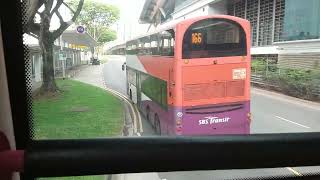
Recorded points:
(61, 57)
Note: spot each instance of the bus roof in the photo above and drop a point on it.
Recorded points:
(173, 24)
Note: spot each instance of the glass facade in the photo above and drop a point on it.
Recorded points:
(301, 20)
(279, 20)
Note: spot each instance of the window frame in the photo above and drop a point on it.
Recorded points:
(42, 159)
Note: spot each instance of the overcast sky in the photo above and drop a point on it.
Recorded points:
(128, 26)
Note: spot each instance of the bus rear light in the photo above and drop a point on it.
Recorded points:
(249, 117)
(178, 122)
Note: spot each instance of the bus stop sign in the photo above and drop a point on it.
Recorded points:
(80, 29)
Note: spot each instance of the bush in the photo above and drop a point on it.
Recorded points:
(297, 83)
(259, 66)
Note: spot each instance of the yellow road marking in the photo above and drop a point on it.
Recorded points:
(133, 108)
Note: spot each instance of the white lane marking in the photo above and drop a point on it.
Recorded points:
(294, 171)
(284, 119)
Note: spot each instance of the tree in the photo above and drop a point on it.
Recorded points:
(97, 17)
(46, 9)
(106, 36)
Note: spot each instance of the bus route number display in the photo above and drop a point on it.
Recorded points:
(196, 38)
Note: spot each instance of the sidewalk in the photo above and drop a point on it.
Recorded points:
(69, 74)
(90, 74)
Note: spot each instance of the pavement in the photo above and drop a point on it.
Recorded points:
(90, 74)
(272, 113)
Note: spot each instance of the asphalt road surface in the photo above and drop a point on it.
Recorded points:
(272, 113)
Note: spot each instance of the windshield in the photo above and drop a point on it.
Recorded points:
(119, 68)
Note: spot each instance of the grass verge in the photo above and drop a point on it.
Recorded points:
(79, 111)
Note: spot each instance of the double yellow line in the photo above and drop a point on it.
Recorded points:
(137, 122)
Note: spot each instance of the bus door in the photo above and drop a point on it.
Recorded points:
(170, 87)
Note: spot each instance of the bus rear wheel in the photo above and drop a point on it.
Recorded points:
(130, 94)
(148, 113)
(157, 126)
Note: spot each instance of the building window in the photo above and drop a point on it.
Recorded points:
(239, 9)
(301, 20)
(265, 22)
(278, 20)
(266, 18)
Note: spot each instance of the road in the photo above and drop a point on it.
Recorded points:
(272, 113)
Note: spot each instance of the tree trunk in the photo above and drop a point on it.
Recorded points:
(46, 45)
(92, 51)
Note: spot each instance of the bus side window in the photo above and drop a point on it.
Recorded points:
(172, 47)
(167, 43)
(155, 44)
(146, 45)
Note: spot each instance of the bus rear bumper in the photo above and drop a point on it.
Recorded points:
(232, 118)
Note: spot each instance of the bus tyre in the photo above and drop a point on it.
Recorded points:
(157, 126)
(148, 113)
(130, 94)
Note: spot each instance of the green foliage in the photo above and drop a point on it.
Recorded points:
(98, 17)
(260, 66)
(296, 82)
(107, 35)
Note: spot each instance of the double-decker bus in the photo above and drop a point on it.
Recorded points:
(193, 77)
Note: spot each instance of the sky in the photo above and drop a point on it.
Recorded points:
(128, 26)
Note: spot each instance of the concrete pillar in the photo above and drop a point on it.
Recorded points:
(37, 67)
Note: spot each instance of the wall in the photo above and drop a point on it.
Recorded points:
(218, 8)
(303, 54)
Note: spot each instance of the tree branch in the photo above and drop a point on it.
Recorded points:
(69, 7)
(34, 28)
(48, 6)
(60, 17)
(30, 12)
(56, 8)
(33, 35)
(65, 25)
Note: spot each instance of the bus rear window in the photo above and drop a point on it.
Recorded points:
(214, 38)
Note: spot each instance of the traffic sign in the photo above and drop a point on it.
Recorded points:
(80, 29)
